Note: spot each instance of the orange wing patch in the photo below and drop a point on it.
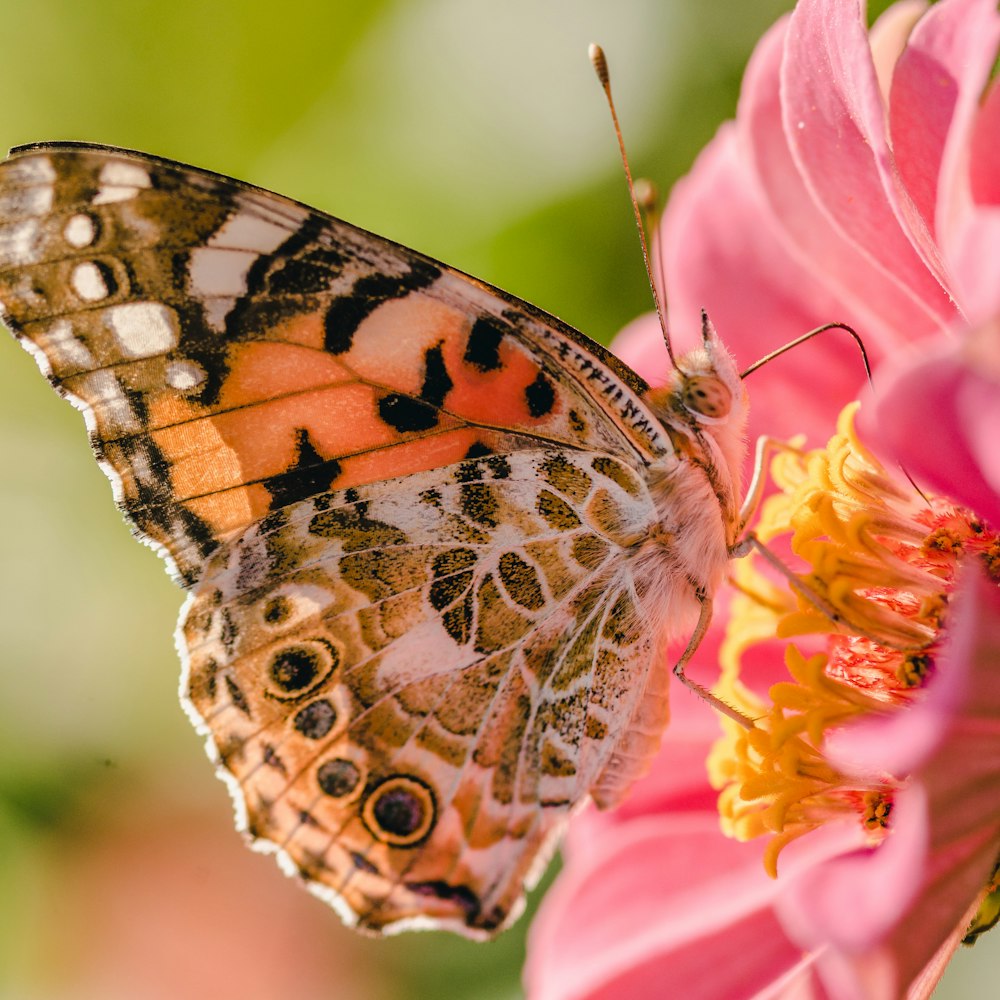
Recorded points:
(235, 352)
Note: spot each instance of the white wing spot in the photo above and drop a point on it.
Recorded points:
(61, 343)
(120, 182)
(88, 282)
(144, 329)
(247, 232)
(31, 170)
(23, 290)
(125, 174)
(216, 311)
(18, 201)
(80, 231)
(105, 397)
(18, 243)
(220, 272)
(303, 601)
(184, 375)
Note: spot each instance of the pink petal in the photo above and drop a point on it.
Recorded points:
(888, 36)
(669, 907)
(979, 413)
(974, 255)
(830, 903)
(923, 985)
(834, 120)
(963, 776)
(676, 783)
(939, 417)
(851, 289)
(945, 834)
(935, 97)
(958, 41)
(723, 253)
(984, 162)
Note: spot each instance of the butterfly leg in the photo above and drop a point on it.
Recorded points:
(765, 450)
(704, 620)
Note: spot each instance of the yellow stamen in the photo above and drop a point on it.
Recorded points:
(885, 558)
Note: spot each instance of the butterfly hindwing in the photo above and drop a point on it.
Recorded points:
(412, 683)
(235, 351)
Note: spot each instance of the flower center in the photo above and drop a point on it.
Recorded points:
(885, 559)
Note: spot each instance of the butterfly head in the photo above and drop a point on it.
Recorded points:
(705, 389)
(707, 383)
(705, 400)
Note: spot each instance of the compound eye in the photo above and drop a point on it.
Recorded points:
(707, 395)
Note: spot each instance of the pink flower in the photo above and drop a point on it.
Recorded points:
(654, 901)
(860, 182)
(877, 918)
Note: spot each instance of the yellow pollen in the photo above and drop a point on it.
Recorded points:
(885, 558)
(991, 559)
(877, 809)
(914, 669)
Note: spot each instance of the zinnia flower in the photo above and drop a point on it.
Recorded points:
(860, 183)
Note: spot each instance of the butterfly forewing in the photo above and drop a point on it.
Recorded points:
(435, 538)
(235, 351)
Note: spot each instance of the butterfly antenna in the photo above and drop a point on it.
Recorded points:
(864, 360)
(849, 330)
(600, 64)
(648, 196)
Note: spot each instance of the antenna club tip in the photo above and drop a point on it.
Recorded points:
(600, 63)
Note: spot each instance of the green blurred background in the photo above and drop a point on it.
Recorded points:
(469, 129)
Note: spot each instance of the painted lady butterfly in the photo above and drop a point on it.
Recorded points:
(435, 540)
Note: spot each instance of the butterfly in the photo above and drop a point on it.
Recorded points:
(434, 540)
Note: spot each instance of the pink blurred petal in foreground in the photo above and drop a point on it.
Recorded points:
(952, 393)
(666, 907)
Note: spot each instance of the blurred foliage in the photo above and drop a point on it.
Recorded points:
(471, 130)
